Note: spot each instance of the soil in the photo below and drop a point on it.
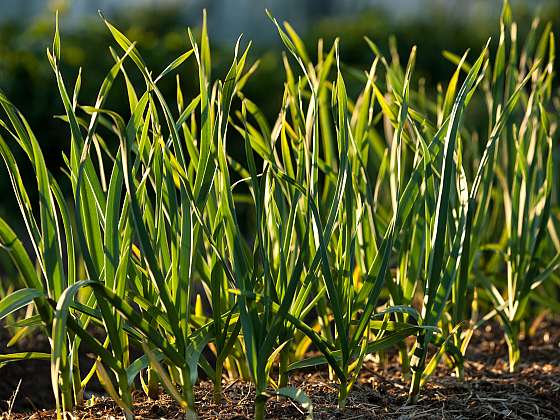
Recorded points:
(488, 390)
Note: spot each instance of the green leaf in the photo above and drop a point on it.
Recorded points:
(17, 300)
(298, 396)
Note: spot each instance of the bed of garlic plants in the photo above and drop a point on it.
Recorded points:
(398, 219)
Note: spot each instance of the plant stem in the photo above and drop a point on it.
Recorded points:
(459, 371)
(415, 387)
(417, 367)
(405, 361)
(217, 393)
(125, 394)
(342, 394)
(66, 388)
(513, 351)
(260, 406)
(77, 385)
(153, 384)
(283, 369)
(188, 394)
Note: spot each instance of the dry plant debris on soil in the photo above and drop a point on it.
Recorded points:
(489, 391)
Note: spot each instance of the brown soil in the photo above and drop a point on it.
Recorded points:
(488, 390)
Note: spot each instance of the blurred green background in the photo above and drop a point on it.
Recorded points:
(26, 28)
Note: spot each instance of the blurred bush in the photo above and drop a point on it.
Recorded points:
(26, 77)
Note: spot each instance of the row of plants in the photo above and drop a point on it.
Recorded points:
(223, 245)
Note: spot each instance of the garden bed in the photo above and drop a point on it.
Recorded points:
(388, 218)
(488, 391)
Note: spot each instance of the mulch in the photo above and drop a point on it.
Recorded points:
(489, 391)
